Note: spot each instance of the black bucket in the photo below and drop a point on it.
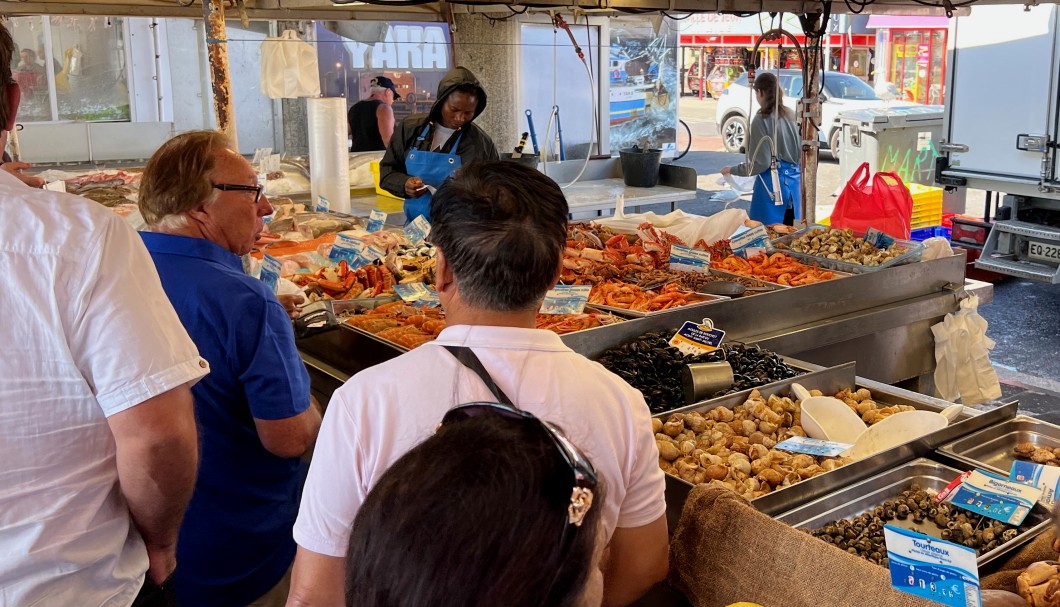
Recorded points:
(640, 168)
(529, 160)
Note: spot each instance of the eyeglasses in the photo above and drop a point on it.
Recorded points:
(585, 482)
(234, 187)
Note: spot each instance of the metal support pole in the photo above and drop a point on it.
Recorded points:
(213, 15)
(810, 146)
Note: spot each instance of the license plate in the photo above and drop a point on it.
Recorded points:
(1044, 252)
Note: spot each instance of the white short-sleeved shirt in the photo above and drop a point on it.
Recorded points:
(384, 411)
(87, 332)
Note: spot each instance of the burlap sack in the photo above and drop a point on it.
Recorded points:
(724, 551)
(1004, 578)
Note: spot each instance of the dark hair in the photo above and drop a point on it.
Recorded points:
(773, 98)
(473, 516)
(502, 227)
(470, 90)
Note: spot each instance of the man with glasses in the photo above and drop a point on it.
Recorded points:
(499, 229)
(256, 417)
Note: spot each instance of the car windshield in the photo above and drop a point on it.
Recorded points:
(845, 86)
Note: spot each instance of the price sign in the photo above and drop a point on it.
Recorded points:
(352, 250)
(992, 496)
(932, 568)
(878, 239)
(418, 295)
(687, 259)
(1046, 478)
(323, 205)
(375, 221)
(696, 338)
(270, 272)
(417, 230)
(566, 299)
(749, 243)
(813, 446)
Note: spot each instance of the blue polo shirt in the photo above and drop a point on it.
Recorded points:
(235, 543)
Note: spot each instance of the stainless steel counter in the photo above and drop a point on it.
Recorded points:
(880, 319)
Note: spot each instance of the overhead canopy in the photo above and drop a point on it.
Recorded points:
(426, 10)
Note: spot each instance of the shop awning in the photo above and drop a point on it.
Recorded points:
(908, 22)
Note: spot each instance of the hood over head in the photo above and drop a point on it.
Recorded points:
(457, 77)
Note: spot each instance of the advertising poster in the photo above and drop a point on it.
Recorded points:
(643, 85)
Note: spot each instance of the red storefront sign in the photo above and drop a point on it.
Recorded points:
(749, 40)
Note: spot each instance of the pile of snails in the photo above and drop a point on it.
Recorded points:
(863, 535)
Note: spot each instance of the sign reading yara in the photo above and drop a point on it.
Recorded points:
(405, 47)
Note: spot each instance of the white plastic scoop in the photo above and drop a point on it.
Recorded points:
(895, 430)
(828, 418)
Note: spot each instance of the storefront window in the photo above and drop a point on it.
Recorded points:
(918, 64)
(71, 68)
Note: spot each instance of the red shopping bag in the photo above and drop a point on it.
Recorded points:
(884, 204)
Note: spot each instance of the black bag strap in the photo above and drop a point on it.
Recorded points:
(468, 358)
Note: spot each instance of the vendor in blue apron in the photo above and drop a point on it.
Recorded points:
(427, 148)
(773, 149)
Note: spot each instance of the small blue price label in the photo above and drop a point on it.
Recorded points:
(352, 250)
(932, 568)
(1046, 478)
(270, 272)
(696, 338)
(376, 219)
(417, 294)
(687, 259)
(992, 496)
(813, 446)
(748, 243)
(566, 299)
(878, 239)
(417, 230)
(323, 205)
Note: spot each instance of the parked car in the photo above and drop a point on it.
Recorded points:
(841, 92)
(718, 79)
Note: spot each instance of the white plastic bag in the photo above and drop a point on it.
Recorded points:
(289, 67)
(962, 357)
(936, 247)
(689, 228)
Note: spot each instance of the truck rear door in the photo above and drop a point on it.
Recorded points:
(1002, 96)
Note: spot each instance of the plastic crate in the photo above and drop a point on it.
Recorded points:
(922, 234)
(374, 165)
(927, 206)
(912, 253)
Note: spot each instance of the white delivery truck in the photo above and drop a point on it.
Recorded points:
(1001, 131)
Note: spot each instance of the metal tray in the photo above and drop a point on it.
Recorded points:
(913, 251)
(636, 314)
(867, 494)
(830, 381)
(779, 286)
(991, 449)
(402, 349)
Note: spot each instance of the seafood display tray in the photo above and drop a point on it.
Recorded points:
(830, 381)
(402, 349)
(754, 281)
(913, 251)
(778, 286)
(637, 314)
(991, 449)
(858, 498)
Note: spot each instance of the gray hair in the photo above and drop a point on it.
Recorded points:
(375, 90)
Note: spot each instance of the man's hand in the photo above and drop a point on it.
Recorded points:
(16, 168)
(726, 170)
(414, 187)
(161, 562)
(292, 304)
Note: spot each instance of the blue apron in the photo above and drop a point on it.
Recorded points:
(433, 168)
(762, 206)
